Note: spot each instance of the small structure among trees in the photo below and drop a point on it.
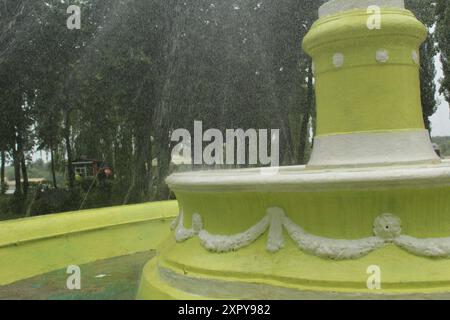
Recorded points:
(88, 168)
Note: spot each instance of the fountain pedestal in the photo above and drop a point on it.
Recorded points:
(374, 198)
(367, 85)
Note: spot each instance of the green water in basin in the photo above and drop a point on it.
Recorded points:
(111, 279)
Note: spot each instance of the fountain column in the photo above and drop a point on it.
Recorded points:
(366, 61)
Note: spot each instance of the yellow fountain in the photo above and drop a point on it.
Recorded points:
(368, 217)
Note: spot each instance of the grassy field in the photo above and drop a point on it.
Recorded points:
(111, 279)
(36, 170)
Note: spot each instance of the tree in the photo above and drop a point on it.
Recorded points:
(443, 39)
(2, 172)
(425, 12)
(140, 69)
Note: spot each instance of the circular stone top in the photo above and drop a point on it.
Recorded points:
(300, 179)
(336, 6)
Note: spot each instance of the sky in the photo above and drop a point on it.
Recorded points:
(440, 121)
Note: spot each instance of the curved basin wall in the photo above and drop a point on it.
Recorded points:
(38, 245)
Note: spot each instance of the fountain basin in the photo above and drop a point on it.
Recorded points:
(330, 205)
(35, 246)
(320, 200)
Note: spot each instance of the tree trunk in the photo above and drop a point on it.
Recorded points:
(140, 168)
(141, 178)
(306, 117)
(23, 166)
(52, 156)
(17, 177)
(149, 176)
(70, 170)
(148, 166)
(2, 172)
(303, 138)
(132, 185)
(163, 167)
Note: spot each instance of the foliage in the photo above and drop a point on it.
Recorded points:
(444, 145)
(139, 69)
(443, 37)
(425, 12)
(54, 201)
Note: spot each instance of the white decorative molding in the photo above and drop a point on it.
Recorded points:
(181, 233)
(220, 243)
(275, 240)
(387, 226)
(316, 178)
(382, 56)
(387, 229)
(331, 248)
(433, 247)
(338, 60)
(415, 57)
(336, 6)
(369, 148)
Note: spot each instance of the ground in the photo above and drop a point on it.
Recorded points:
(111, 279)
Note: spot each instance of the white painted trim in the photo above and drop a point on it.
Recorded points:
(182, 233)
(275, 240)
(387, 229)
(208, 286)
(221, 243)
(301, 179)
(331, 248)
(336, 6)
(434, 247)
(382, 148)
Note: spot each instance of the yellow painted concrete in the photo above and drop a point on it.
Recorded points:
(342, 214)
(37, 245)
(364, 95)
(152, 287)
(402, 274)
